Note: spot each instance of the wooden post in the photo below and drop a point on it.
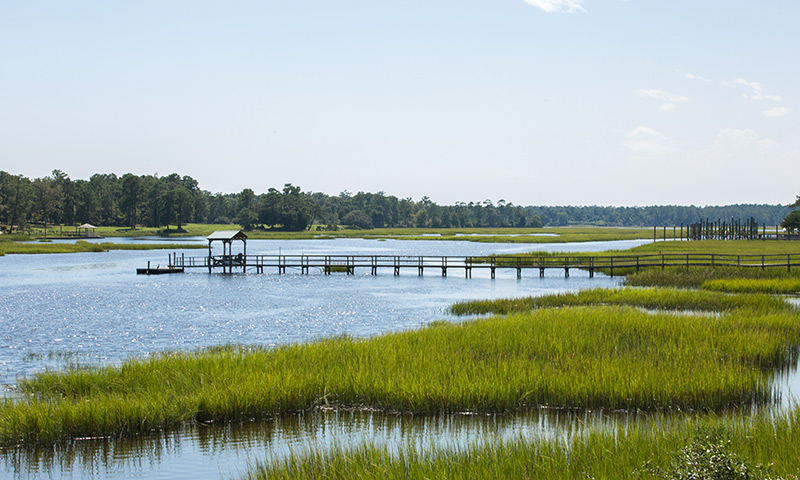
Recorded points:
(612, 267)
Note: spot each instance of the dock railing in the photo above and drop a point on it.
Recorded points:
(328, 264)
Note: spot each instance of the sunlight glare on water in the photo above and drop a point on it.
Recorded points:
(91, 308)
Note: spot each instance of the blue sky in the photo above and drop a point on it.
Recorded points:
(543, 102)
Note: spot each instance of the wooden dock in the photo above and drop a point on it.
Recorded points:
(158, 270)
(349, 264)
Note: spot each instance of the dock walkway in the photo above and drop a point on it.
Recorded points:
(348, 264)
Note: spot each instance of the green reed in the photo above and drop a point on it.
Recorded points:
(572, 357)
(750, 285)
(82, 246)
(695, 277)
(650, 298)
(760, 448)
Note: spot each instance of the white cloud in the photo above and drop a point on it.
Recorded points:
(670, 99)
(698, 77)
(757, 91)
(662, 95)
(646, 141)
(742, 143)
(777, 112)
(565, 6)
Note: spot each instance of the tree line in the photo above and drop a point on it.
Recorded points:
(149, 200)
(153, 201)
(658, 215)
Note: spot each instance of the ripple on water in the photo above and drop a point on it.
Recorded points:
(90, 308)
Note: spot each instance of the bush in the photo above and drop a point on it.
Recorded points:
(709, 457)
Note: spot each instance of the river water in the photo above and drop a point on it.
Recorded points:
(92, 308)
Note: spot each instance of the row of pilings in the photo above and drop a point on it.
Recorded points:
(726, 230)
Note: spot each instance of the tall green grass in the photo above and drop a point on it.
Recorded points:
(730, 448)
(730, 247)
(574, 357)
(748, 285)
(650, 298)
(82, 246)
(695, 277)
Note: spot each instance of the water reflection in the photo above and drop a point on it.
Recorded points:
(94, 307)
(206, 451)
(57, 310)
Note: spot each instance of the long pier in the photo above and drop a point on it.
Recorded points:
(348, 264)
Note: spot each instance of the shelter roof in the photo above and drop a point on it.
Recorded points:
(227, 235)
(87, 225)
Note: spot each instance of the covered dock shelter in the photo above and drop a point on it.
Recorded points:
(227, 260)
(86, 227)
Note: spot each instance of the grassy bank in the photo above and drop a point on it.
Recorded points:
(572, 357)
(696, 277)
(649, 298)
(13, 244)
(729, 247)
(707, 448)
(774, 286)
(19, 248)
(501, 235)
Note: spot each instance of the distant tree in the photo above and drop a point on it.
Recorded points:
(65, 212)
(107, 190)
(131, 200)
(180, 205)
(245, 199)
(247, 218)
(47, 198)
(796, 203)
(296, 210)
(792, 221)
(357, 219)
(269, 208)
(15, 199)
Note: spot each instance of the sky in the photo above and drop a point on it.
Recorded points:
(536, 102)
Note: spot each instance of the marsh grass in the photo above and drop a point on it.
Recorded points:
(495, 235)
(695, 277)
(727, 247)
(749, 285)
(728, 448)
(82, 246)
(573, 357)
(650, 298)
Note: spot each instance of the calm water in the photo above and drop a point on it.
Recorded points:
(91, 308)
